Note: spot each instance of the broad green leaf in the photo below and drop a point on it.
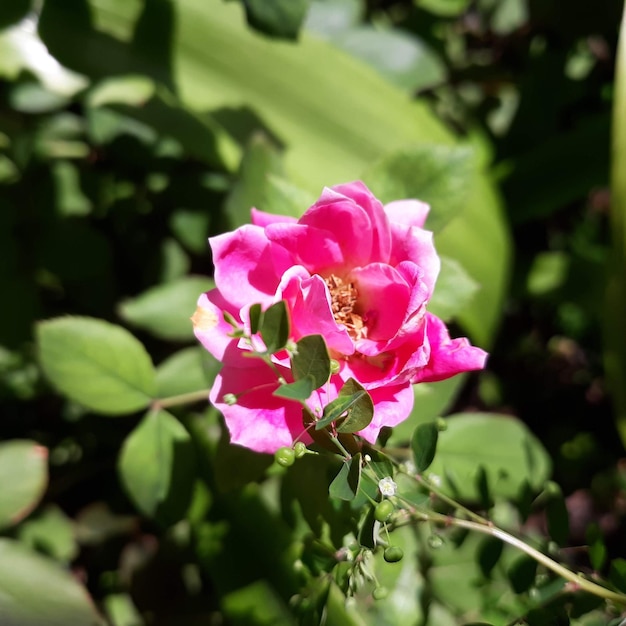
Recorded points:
(615, 314)
(97, 364)
(522, 573)
(185, 371)
(24, 471)
(165, 310)
(275, 326)
(38, 592)
(299, 390)
(454, 290)
(31, 97)
(507, 451)
(121, 610)
(345, 485)
(52, 532)
(284, 198)
(174, 261)
(439, 175)
(404, 59)
(280, 18)
(311, 359)
(330, 17)
(424, 445)
(157, 467)
(191, 228)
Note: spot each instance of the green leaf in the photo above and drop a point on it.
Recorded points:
(489, 554)
(444, 8)
(557, 516)
(165, 310)
(185, 371)
(157, 467)
(38, 592)
(345, 485)
(454, 290)
(97, 364)
(51, 532)
(522, 573)
(121, 610)
(299, 390)
(311, 359)
(597, 547)
(404, 59)
(191, 229)
(424, 445)
(275, 327)
(507, 451)
(256, 315)
(24, 471)
(282, 197)
(617, 574)
(354, 400)
(439, 175)
(280, 18)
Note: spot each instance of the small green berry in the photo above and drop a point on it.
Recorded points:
(334, 366)
(393, 554)
(383, 511)
(299, 450)
(285, 456)
(229, 398)
(380, 593)
(441, 424)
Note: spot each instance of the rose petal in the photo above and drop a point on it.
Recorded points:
(209, 325)
(407, 212)
(259, 420)
(379, 224)
(247, 270)
(448, 356)
(261, 218)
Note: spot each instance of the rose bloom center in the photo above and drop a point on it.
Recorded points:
(344, 302)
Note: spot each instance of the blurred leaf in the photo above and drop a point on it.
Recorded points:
(51, 532)
(557, 516)
(424, 445)
(260, 160)
(455, 288)
(24, 471)
(121, 610)
(509, 15)
(617, 574)
(59, 599)
(522, 573)
(186, 371)
(548, 272)
(175, 262)
(70, 199)
(597, 547)
(280, 18)
(256, 604)
(275, 326)
(329, 17)
(299, 390)
(439, 175)
(98, 364)
(509, 453)
(95, 524)
(311, 359)
(615, 312)
(444, 8)
(489, 554)
(31, 97)
(345, 486)
(191, 228)
(164, 310)
(284, 198)
(402, 58)
(157, 467)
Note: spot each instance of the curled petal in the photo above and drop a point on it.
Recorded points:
(448, 356)
(209, 325)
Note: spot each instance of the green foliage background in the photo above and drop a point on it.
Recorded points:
(130, 131)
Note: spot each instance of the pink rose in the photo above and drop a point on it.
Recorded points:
(350, 269)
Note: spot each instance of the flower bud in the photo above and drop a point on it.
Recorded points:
(380, 593)
(393, 554)
(285, 456)
(229, 398)
(441, 424)
(383, 511)
(299, 450)
(334, 366)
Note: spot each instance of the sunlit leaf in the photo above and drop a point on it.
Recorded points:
(311, 359)
(345, 486)
(274, 327)
(96, 363)
(424, 445)
(299, 390)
